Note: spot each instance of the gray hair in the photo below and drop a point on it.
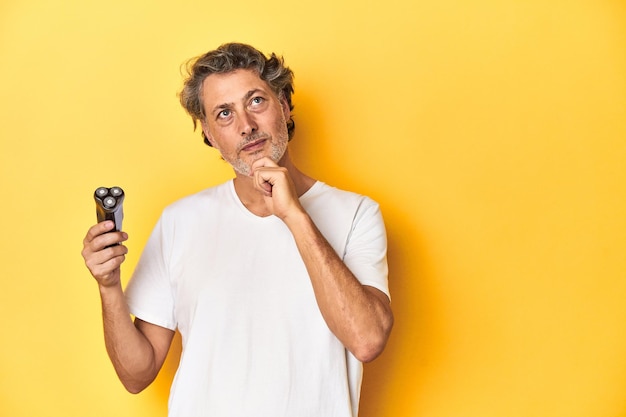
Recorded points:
(227, 58)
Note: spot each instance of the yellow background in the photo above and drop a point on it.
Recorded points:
(493, 134)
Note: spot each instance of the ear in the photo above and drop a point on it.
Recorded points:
(285, 106)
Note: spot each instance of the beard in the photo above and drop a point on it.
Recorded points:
(278, 146)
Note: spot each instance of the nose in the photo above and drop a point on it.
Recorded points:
(247, 124)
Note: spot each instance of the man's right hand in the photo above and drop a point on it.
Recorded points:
(137, 351)
(104, 253)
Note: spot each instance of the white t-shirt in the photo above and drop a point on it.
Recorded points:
(235, 286)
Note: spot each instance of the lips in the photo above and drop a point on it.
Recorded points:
(254, 145)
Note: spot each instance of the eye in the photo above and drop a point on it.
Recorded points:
(223, 114)
(257, 100)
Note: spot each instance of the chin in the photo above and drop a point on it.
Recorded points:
(276, 153)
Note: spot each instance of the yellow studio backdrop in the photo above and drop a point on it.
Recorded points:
(493, 134)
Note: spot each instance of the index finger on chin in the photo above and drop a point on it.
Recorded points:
(263, 162)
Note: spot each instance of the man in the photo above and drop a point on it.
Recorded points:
(276, 282)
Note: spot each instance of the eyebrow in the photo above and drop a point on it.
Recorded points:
(246, 97)
(251, 93)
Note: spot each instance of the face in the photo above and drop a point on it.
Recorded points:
(245, 120)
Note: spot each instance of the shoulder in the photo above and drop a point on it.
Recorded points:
(200, 199)
(323, 195)
(337, 211)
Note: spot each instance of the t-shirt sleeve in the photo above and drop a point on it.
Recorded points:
(366, 248)
(149, 292)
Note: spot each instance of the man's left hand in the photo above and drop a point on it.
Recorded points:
(278, 190)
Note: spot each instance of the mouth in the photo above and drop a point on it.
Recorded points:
(254, 146)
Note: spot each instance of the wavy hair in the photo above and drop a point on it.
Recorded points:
(227, 58)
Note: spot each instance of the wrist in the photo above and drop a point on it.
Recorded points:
(110, 289)
(296, 218)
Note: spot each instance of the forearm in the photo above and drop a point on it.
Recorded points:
(130, 351)
(359, 316)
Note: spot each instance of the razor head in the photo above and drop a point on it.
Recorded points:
(109, 205)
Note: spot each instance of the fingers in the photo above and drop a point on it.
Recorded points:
(98, 229)
(276, 185)
(99, 261)
(264, 171)
(264, 183)
(100, 236)
(106, 271)
(266, 161)
(103, 252)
